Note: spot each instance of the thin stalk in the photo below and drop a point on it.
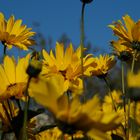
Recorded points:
(132, 70)
(4, 49)
(82, 37)
(133, 61)
(72, 138)
(24, 131)
(110, 89)
(123, 90)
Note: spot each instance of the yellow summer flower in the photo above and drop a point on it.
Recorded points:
(51, 134)
(12, 33)
(129, 32)
(56, 134)
(67, 63)
(13, 77)
(122, 51)
(71, 115)
(102, 65)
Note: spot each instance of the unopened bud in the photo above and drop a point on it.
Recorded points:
(34, 68)
(86, 1)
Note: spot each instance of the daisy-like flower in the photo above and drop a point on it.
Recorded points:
(51, 134)
(102, 65)
(13, 77)
(72, 116)
(67, 63)
(56, 134)
(129, 32)
(122, 51)
(12, 33)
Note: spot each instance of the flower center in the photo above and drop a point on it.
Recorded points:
(135, 45)
(66, 128)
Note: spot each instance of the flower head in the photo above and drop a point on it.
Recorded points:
(122, 51)
(102, 65)
(13, 77)
(12, 33)
(72, 116)
(129, 32)
(86, 1)
(66, 63)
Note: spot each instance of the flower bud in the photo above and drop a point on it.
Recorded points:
(86, 1)
(34, 68)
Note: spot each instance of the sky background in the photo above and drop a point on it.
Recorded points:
(63, 16)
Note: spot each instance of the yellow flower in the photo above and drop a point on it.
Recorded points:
(71, 115)
(122, 51)
(13, 77)
(67, 63)
(129, 32)
(12, 33)
(56, 134)
(102, 65)
(133, 80)
(116, 97)
(118, 101)
(108, 107)
(51, 134)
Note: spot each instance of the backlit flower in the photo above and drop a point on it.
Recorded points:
(129, 32)
(67, 63)
(12, 33)
(72, 116)
(102, 65)
(51, 134)
(122, 51)
(56, 134)
(13, 77)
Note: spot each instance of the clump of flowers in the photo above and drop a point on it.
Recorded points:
(55, 82)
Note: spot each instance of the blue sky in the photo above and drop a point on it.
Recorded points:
(63, 16)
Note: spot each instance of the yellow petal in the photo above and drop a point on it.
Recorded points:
(98, 135)
(9, 67)
(16, 26)
(10, 24)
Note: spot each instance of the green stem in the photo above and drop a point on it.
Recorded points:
(24, 131)
(72, 138)
(123, 91)
(82, 41)
(110, 89)
(133, 61)
(129, 101)
(4, 50)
